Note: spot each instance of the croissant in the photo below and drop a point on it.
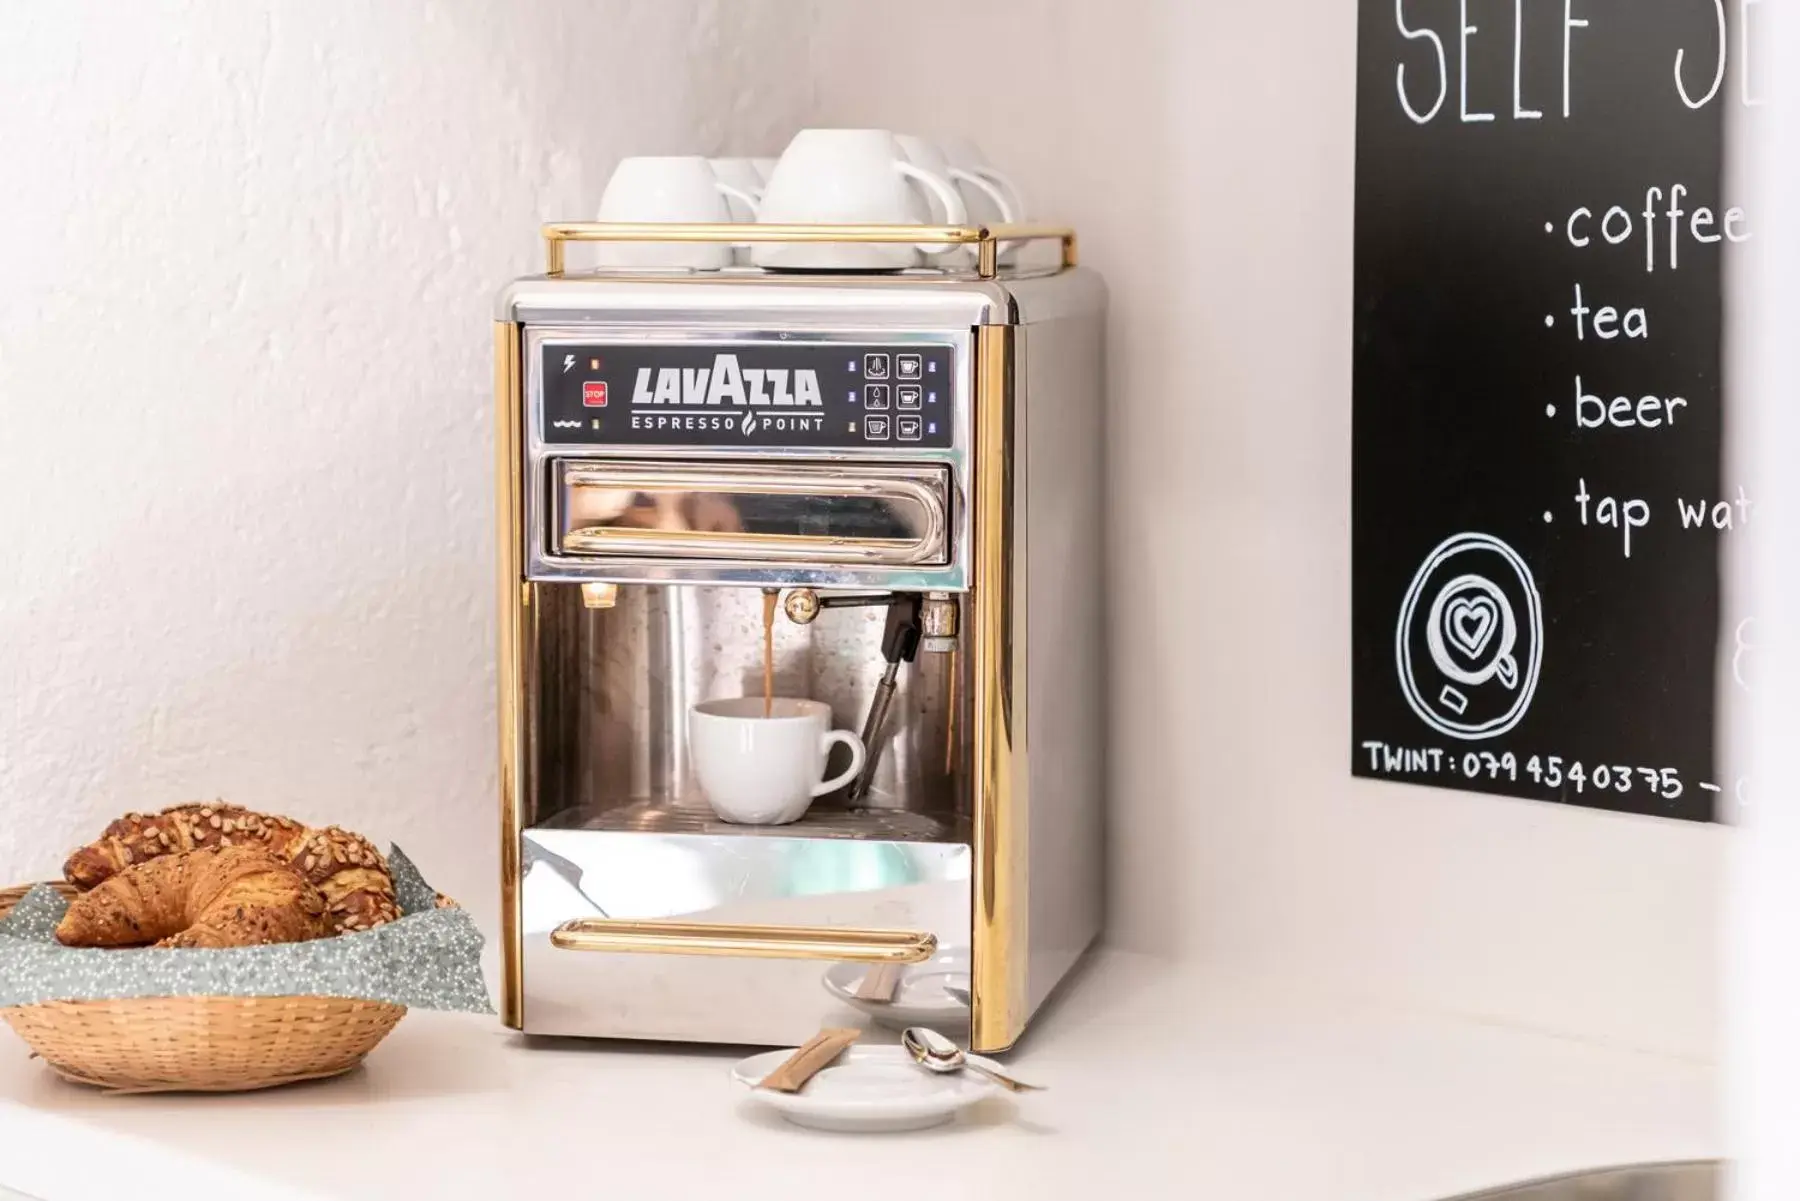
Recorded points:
(225, 897)
(345, 867)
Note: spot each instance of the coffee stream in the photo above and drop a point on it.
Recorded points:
(769, 597)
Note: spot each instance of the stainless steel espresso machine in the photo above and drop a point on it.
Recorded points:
(909, 463)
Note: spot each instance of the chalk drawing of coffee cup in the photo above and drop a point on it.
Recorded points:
(1469, 660)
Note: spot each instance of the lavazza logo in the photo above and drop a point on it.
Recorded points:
(774, 393)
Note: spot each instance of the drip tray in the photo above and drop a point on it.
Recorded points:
(652, 817)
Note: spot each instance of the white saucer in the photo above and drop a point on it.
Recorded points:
(922, 998)
(869, 1090)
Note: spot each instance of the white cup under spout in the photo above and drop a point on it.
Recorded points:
(765, 771)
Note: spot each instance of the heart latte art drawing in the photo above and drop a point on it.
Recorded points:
(1469, 624)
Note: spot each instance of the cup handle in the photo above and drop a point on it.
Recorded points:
(1003, 200)
(857, 757)
(991, 176)
(954, 212)
(750, 200)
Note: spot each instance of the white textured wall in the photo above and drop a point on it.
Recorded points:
(247, 257)
(1205, 150)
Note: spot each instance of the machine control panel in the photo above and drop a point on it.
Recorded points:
(829, 395)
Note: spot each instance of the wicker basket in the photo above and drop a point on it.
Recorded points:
(198, 1044)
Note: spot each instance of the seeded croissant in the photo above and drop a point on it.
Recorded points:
(345, 867)
(225, 897)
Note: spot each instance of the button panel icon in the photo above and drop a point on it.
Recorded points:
(906, 366)
(875, 429)
(908, 428)
(875, 366)
(593, 394)
(908, 396)
(875, 396)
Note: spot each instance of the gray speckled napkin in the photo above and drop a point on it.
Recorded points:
(429, 959)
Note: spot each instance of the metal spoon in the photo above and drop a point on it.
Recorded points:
(935, 1053)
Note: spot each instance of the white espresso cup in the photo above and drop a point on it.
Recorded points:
(765, 771)
(849, 177)
(679, 188)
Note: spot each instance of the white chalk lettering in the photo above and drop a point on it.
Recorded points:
(1718, 65)
(1467, 31)
(1719, 515)
(1619, 225)
(1400, 71)
(1605, 322)
(1647, 412)
(1578, 215)
(1570, 24)
(1606, 226)
(1622, 515)
(1520, 112)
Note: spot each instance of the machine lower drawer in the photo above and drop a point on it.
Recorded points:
(727, 939)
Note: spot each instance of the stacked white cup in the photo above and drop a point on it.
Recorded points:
(661, 188)
(824, 177)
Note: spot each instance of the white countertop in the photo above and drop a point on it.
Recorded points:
(1161, 1084)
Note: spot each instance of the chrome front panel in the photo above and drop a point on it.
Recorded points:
(614, 686)
(546, 457)
(725, 880)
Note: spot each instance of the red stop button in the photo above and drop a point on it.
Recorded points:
(593, 394)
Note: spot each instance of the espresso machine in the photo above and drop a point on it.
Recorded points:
(906, 466)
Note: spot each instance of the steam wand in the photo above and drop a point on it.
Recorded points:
(899, 644)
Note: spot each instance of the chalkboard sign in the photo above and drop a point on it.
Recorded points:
(1539, 506)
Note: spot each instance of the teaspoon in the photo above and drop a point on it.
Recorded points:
(935, 1053)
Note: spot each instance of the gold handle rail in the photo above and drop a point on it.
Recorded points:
(618, 936)
(985, 238)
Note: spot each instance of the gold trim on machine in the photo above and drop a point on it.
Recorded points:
(744, 942)
(514, 602)
(985, 238)
(997, 644)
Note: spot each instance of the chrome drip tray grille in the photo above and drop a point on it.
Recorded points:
(654, 817)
